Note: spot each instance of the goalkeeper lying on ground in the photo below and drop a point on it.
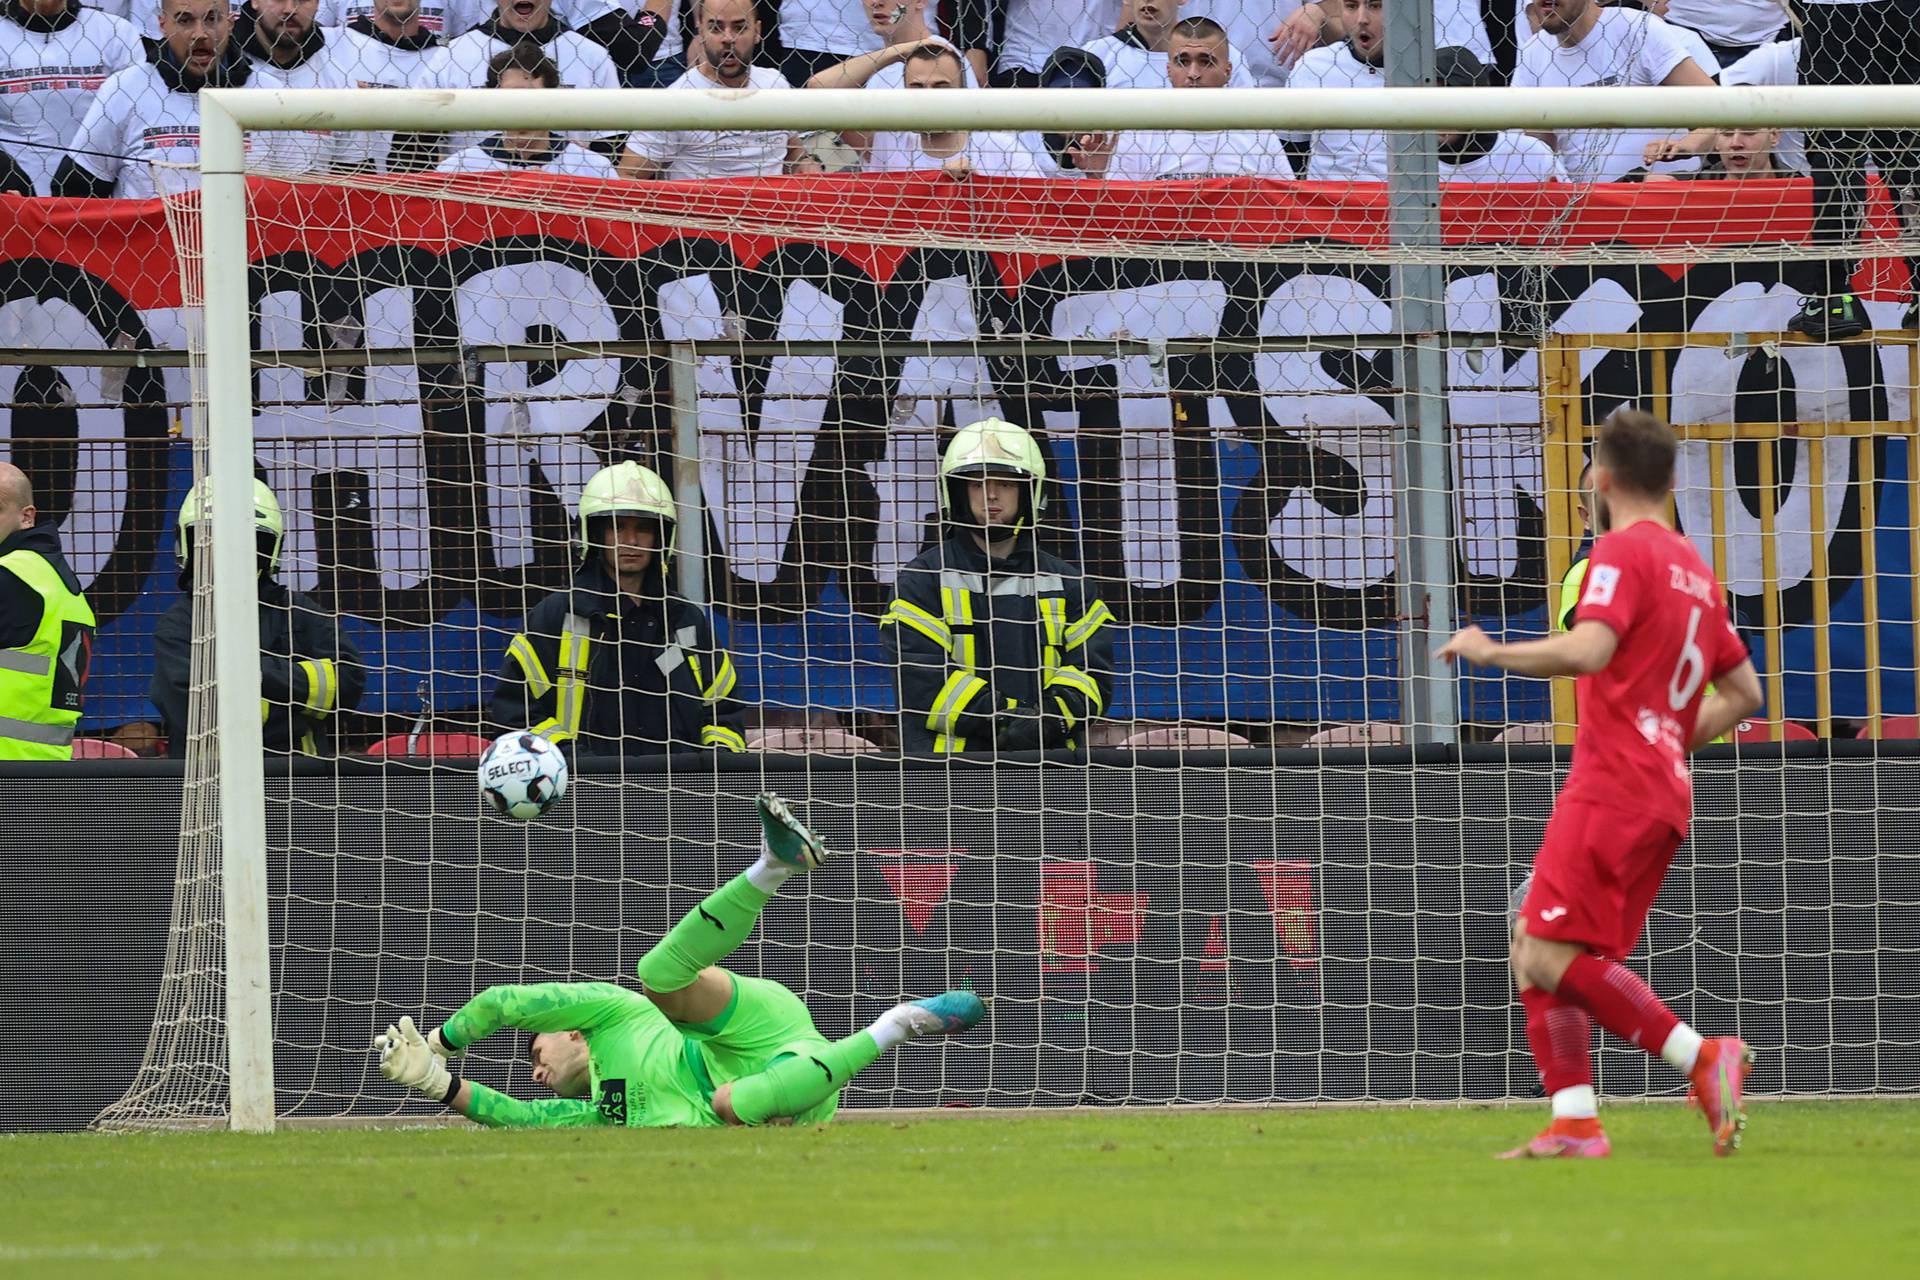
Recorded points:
(702, 1047)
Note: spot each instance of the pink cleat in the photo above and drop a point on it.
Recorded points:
(1563, 1140)
(1719, 1078)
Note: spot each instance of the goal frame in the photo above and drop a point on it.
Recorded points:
(226, 115)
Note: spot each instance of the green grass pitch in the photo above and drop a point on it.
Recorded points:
(1822, 1189)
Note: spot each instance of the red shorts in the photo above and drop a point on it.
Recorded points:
(1596, 876)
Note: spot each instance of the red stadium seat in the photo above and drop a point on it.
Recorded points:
(1751, 731)
(101, 749)
(1184, 737)
(452, 746)
(1525, 733)
(1894, 727)
(811, 742)
(1374, 733)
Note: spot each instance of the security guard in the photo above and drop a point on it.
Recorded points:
(1595, 520)
(309, 670)
(997, 645)
(46, 631)
(616, 663)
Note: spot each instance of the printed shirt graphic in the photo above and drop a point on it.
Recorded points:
(1649, 585)
(47, 80)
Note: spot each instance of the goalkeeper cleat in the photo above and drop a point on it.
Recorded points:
(947, 1014)
(1564, 1140)
(787, 838)
(1719, 1078)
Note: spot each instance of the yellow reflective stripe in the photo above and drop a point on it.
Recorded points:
(961, 688)
(1091, 621)
(571, 688)
(266, 709)
(322, 687)
(699, 680)
(957, 604)
(550, 730)
(1080, 682)
(308, 745)
(532, 670)
(724, 678)
(1065, 713)
(718, 735)
(920, 620)
(1053, 614)
(946, 746)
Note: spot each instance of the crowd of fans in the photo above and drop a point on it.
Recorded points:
(91, 98)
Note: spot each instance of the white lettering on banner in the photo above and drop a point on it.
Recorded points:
(1705, 381)
(752, 478)
(536, 423)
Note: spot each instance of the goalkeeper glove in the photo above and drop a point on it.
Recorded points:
(407, 1059)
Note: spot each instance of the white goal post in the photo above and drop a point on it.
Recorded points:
(227, 115)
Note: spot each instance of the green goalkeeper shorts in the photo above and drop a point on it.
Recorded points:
(763, 1023)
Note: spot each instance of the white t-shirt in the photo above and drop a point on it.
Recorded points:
(1189, 153)
(1249, 23)
(326, 69)
(145, 137)
(372, 63)
(1131, 67)
(716, 153)
(827, 26)
(1341, 155)
(994, 155)
(445, 18)
(1729, 21)
(893, 151)
(570, 159)
(463, 65)
(1514, 157)
(1626, 48)
(47, 79)
(1035, 28)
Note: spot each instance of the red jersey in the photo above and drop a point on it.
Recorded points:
(1650, 586)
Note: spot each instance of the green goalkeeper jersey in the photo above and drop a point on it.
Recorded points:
(643, 1075)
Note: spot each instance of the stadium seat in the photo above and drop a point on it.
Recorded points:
(1751, 731)
(1525, 733)
(1894, 727)
(453, 746)
(804, 742)
(1184, 737)
(1374, 733)
(101, 749)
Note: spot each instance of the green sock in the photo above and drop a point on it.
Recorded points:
(706, 935)
(793, 1086)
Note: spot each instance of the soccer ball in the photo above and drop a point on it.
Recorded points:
(522, 775)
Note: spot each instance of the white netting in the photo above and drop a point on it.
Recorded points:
(1211, 369)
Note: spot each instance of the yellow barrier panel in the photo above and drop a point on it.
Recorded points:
(1566, 441)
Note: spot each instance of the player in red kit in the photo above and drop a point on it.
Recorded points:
(1650, 633)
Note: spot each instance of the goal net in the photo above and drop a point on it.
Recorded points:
(1292, 433)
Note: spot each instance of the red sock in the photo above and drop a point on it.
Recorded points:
(1618, 1001)
(1561, 1037)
